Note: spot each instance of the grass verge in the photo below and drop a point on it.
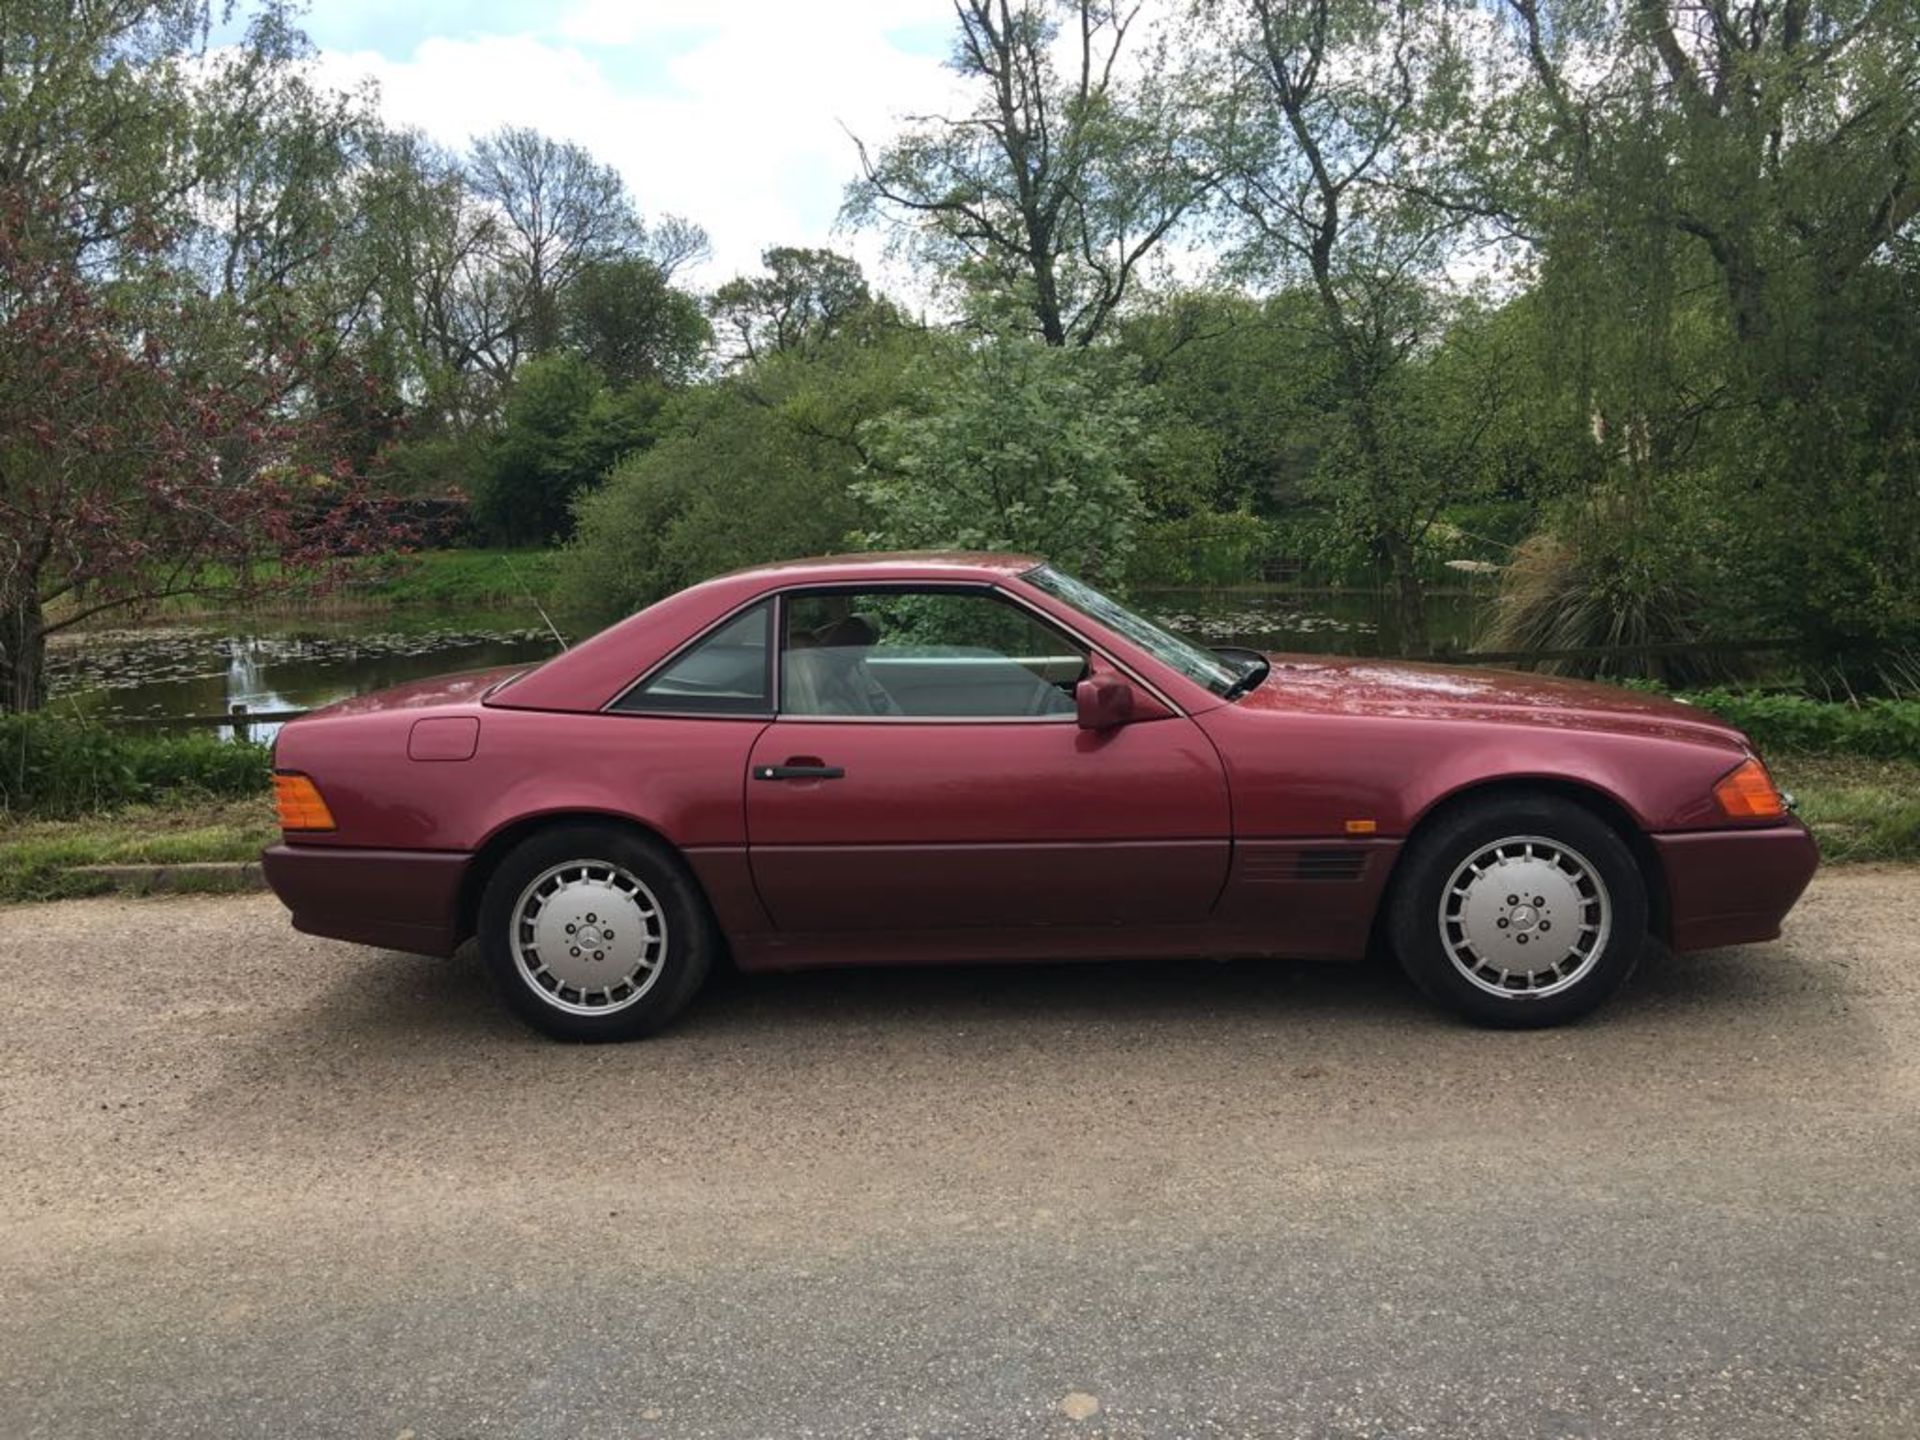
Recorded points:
(1860, 809)
(37, 856)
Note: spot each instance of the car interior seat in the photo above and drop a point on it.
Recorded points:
(827, 671)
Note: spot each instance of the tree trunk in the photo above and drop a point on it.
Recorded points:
(1393, 551)
(23, 654)
(1046, 308)
(1409, 599)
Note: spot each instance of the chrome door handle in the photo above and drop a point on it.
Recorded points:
(798, 772)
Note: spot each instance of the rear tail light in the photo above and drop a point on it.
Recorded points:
(298, 800)
(1748, 793)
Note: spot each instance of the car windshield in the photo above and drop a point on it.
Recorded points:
(1203, 667)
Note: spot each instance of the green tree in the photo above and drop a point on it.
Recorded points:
(1724, 200)
(1330, 103)
(1786, 128)
(806, 297)
(672, 242)
(1078, 159)
(1018, 446)
(444, 316)
(101, 118)
(1238, 369)
(627, 319)
(758, 466)
(561, 431)
(559, 211)
(172, 386)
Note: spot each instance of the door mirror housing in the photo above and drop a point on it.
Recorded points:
(1104, 701)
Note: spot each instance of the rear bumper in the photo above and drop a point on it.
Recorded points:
(1731, 887)
(395, 899)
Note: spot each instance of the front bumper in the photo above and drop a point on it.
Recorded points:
(1732, 887)
(395, 899)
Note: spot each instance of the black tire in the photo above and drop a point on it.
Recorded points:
(687, 942)
(1421, 935)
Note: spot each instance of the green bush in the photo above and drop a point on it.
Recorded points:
(710, 498)
(1881, 729)
(54, 766)
(752, 469)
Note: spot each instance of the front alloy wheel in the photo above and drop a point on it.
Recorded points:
(1519, 911)
(1500, 909)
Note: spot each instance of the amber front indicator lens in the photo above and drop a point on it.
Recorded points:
(1748, 793)
(298, 800)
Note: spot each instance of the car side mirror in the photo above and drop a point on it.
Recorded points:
(1104, 702)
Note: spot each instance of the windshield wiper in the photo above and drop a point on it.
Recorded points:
(1257, 669)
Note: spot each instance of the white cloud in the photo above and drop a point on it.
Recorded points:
(739, 121)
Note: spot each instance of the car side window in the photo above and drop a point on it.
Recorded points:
(923, 654)
(725, 672)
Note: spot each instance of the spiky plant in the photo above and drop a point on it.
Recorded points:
(1586, 589)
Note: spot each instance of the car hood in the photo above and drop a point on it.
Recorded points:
(465, 687)
(1337, 685)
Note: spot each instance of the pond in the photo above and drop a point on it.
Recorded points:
(1344, 622)
(206, 667)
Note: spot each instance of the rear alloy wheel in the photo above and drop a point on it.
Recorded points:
(1519, 911)
(593, 933)
(589, 936)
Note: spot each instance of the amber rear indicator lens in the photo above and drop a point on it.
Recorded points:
(298, 800)
(1748, 793)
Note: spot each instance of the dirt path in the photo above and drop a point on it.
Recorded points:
(252, 1183)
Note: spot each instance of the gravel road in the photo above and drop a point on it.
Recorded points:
(256, 1184)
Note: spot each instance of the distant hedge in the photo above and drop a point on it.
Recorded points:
(55, 766)
(1883, 729)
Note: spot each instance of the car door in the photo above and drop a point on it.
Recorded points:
(926, 772)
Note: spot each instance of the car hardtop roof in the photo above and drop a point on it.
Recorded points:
(890, 565)
(589, 675)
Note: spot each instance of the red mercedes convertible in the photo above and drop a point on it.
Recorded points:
(953, 757)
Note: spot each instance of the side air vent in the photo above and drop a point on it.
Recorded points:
(1330, 864)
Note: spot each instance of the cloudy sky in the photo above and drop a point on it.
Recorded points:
(734, 113)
